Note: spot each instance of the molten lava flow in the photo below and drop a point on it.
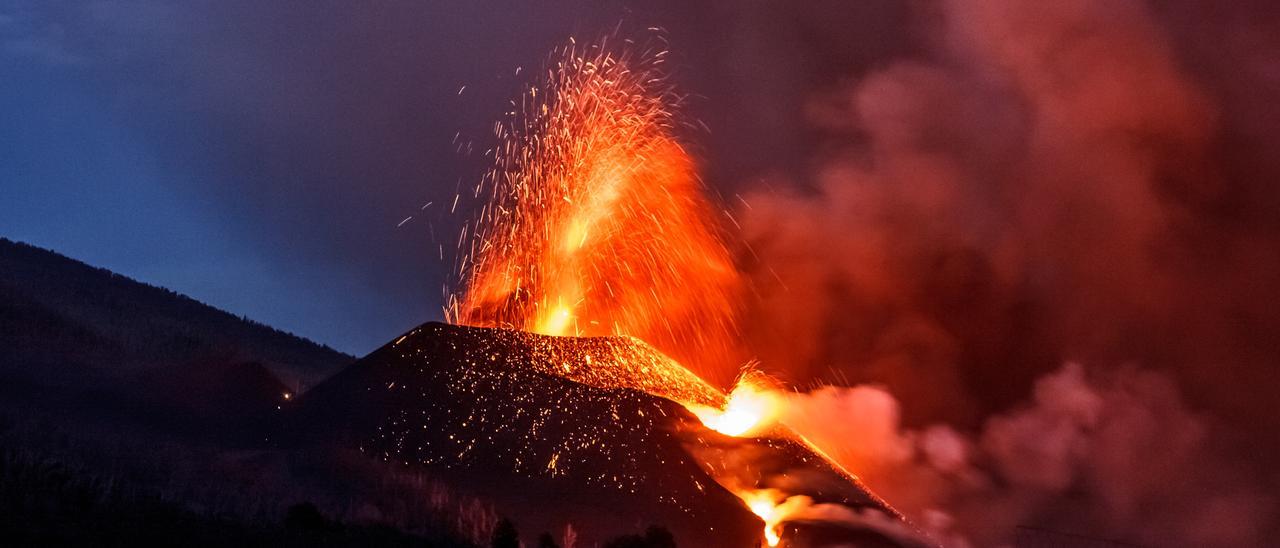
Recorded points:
(751, 408)
(765, 503)
(774, 507)
(596, 224)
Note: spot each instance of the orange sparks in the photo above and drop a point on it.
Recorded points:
(596, 224)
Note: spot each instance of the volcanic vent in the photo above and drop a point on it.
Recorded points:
(594, 242)
(592, 432)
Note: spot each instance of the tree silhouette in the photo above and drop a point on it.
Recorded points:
(659, 537)
(547, 541)
(654, 537)
(305, 517)
(505, 535)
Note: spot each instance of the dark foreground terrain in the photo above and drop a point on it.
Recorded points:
(528, 419)
(130, 415)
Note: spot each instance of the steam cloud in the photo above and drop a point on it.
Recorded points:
(1040, 183)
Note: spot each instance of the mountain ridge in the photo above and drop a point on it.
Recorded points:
(48, 300)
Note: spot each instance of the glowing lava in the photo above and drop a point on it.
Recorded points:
(596, 223)
(751, 408)
(768, 504)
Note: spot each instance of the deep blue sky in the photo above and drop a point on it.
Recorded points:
(259, 158)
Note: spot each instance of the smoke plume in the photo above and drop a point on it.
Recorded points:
(1115, 458)
(1040, 183)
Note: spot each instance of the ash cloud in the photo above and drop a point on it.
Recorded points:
(1119, 457)
(1029, 184)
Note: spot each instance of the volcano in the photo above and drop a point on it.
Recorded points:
(591, 433)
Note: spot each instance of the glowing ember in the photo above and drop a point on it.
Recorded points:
(595, 223)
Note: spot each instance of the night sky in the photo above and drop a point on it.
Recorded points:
(260, 158)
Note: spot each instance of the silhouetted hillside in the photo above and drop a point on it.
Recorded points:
(558, 431)
(64, 321)
(134, 416)
(72, 485)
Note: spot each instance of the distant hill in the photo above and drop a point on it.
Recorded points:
(63, 321)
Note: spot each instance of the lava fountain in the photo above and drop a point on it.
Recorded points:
(595, 222)
(596, 225)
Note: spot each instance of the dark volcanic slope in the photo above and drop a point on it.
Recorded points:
(62, 320)
(561, 430)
